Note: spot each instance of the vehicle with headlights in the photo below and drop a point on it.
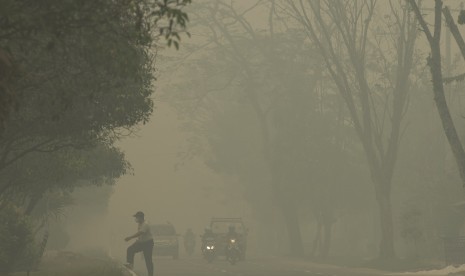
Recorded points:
(166, 240)
(209, 249)
(233, 252)
(220, 228)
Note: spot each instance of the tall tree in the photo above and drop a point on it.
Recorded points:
(434, 62)
(376, 96)
(255, 107)
(86, 71)
(80, 76)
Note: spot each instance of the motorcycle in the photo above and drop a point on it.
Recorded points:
(209, 250)
(233, 251)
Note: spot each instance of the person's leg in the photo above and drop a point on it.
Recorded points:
(148, 249)
(132, 250)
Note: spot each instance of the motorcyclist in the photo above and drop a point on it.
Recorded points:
(208, 240)
(232, 234)
(208, 234)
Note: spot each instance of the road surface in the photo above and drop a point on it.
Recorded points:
(251, 267)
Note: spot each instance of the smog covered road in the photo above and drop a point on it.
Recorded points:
(199, 267)
(251, 267)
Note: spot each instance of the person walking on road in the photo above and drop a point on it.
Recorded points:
(189, 242)
(144, 243)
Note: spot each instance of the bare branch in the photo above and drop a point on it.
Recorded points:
(420, 18)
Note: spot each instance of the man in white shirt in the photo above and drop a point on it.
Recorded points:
(144, 243)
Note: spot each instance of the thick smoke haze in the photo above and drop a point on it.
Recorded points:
(292, 137)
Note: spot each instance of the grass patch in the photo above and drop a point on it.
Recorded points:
(397, 265)
(72, 264)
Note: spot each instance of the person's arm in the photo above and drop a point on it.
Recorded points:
(134, 236)
(140, 232)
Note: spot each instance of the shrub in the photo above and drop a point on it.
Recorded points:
(17, 247)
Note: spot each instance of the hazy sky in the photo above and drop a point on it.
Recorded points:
(188, 197)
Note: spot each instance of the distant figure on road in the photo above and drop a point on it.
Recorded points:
(207, 235)
(144, 243)
(189, 242)
(232, 234)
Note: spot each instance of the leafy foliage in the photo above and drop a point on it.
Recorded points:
(16, 240)
(461, 18)
(85, 80)
(81, 76)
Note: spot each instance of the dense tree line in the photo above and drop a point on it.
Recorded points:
(312, 109)
(75, 76)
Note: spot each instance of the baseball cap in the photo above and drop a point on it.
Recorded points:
(139, 215)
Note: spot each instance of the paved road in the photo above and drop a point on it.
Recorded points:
(251, 267)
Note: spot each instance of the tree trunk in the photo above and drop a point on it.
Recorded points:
(327, 241)
(434, 62)
(386, 248)
(440, 99)
(447, 122)
(317, 240)
(293, 229)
